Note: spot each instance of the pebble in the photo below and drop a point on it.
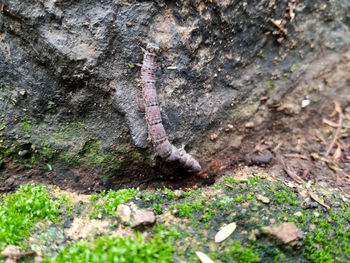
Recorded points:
(22, 92)
(305, 103)
(23, 153)
(312, 227)
(262, 198)
(178, 193)
(287, 233)
(124, 213)
(142, 217)
(249, 125)
(316, 214)
(263, 158)
(298, 214)
(252, 236)
(213, 136)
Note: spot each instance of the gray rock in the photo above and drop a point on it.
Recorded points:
(76, 54)
(287, 233)
(263, 158)
(123, 212)
(134, 216)
(262, 198)
(142, 217)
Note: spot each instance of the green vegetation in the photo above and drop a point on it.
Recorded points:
(270, 85)
(241, 255)
(329, 241)
(21, 210)
(187, 209)
(107, 203)
(129, 250)
(284, 195)
(198, 215)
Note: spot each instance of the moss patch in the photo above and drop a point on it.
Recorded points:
(107, 249)
(21, 210)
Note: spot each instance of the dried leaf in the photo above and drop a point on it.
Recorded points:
(225, 232)
(203, 257)
(337, 154)
(318, 200)
(330, 123)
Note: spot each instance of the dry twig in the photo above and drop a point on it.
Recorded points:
(293, 175)
(295, 155)
(279, 25)
(318, 200)
(337, 109)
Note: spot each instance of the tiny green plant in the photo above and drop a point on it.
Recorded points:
(106, 203)
(21, 210)
(123, 250)
(239, 254)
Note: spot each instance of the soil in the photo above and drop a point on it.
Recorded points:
(291, 134)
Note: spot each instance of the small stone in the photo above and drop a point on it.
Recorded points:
(22, 92)
(15, 252)
(298, 214)
(262, 198)
(229, 128)
(305, 103)
(252, 236)
(316, 214)
(10, 260)
(254, 219)
(257, 232)
(287, 233)
(142, 217)
(23, 153)
(123, 213)
(249, 125)
(263, 158)
(312, 227)
(178, 193)
(213, 136)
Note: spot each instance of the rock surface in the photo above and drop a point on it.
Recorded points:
(134, 216)
(287, 233)
(74, 62)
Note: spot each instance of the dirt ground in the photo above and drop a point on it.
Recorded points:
(305, 136)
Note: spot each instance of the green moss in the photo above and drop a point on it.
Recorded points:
(284, 195)
(107, 203)
(21, 210)
(330, 241)
(239, 198)
(186, 210)
(129, 250)
(27, 124)
(270, 85)
(239, 254)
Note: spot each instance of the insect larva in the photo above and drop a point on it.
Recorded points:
(156, 131)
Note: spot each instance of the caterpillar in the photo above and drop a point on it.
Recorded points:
(156, 131)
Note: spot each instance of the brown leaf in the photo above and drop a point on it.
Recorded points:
(318, 200)
(337, 154)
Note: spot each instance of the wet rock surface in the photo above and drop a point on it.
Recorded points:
(75, 62)
(287, 233)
